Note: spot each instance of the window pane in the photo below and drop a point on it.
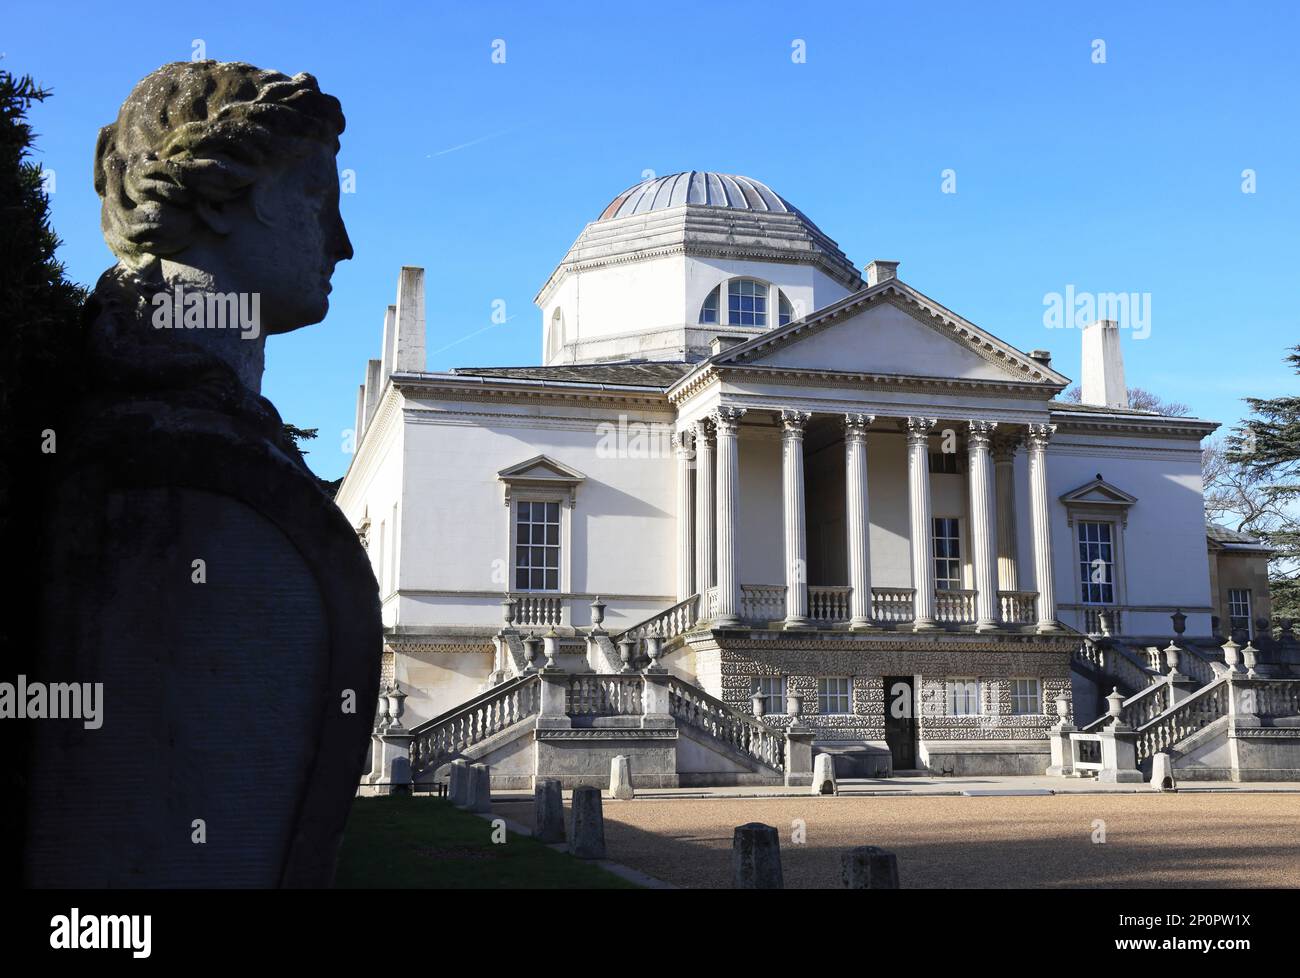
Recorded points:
(553, 512)
(521, 580)
(552, 580)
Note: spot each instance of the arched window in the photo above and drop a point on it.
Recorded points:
(784, 311)
(709, 311)
(746, 302)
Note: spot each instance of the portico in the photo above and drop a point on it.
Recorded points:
(850, 588)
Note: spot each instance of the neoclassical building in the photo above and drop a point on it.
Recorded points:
(813, 498)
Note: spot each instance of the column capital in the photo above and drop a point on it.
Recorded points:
(856, 425)
(794, 422)
(918, 430)
(1004, 447)
(700, 427)
(1038, 435)
(684, 443)
(727, 419)
(979, 435)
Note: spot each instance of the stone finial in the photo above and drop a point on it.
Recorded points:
(587, 834)
(869, 868)
(508, 609)
(794, 703)
(1063, 708)
(758, 703)
(396, 699)
(625, 648)
(1250, 658)
(1172, 655)
(756, 858)
(1180, 622)
(1231, 655)
(530, 652)
(1114, 704)
(620, 778)
(548, 811)
(597, 614)
(550, 648)
(653, 650)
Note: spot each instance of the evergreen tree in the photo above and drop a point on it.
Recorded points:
(39, 338)
(1268, 447)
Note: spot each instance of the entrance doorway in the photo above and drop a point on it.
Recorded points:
(900, 721)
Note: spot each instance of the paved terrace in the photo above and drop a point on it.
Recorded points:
(1212, 835)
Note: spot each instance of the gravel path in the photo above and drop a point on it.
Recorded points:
(1151, 840)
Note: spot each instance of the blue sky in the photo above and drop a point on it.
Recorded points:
(1122, 176)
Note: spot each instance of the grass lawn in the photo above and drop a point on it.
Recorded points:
(426, 843)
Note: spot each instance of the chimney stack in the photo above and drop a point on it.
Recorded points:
(389, 352)
(881, 271)
(409, 356)
(374, 387)
(1103, 366)
(360, 426)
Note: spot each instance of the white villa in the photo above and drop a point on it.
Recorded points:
(755, 505)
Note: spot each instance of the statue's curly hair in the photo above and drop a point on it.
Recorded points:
(200, 131)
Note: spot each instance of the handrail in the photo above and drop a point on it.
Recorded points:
(1138, 709)
(1183, 719)
(449, 735)
(691, 705)
(677, 618)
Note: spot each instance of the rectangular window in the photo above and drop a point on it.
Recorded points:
(963, 697)
(1026, 697)
(746, 303)
(537, 546)
(834, 696)
(944, 463)
(773, 688)
(1096, 563)
(947, 554)
(1239, 611)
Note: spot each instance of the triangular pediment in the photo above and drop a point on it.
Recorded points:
(541, 468)
(891, 328)
(1098, 492)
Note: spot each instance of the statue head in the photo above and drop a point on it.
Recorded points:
(226, 173)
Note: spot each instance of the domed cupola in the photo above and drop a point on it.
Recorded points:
(674, 261)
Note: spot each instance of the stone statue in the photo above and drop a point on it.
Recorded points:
(194, 565)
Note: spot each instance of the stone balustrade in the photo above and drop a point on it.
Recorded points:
(954, 607)
(604, 696)
(445, 737)
(539, 610)
(829, 603)
(692, 706)
(762, 602)
(893, 604)
(1194, 713)
(1018, 607)
(667, 623)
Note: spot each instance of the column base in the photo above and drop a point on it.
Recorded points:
(1048, 626)
(988, 625)
(794, 623)
(725, 621)
(925, 625)
(862, 625)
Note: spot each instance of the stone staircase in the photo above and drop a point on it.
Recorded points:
(1219, 713)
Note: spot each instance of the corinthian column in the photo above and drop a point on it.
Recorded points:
(704, 507)
(921, 523)
(855, 477)
(685, 523)
(792, 496)
(727, 422)
(1004, 471)
(979, 434)
(1037, 439)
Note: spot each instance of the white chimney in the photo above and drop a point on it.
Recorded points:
(881, 271)
(1103, 366)
(360, 426)
(389, 352)
(409, 356)
(374, 387)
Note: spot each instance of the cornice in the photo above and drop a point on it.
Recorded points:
(465, 387)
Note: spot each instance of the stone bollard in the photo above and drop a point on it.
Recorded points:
(823, 782)
(587, 836)
(479, 796)
(458, 782)
(869, 868)
(620, 778)
(756, 858)
(1162, 773)
(548, 812)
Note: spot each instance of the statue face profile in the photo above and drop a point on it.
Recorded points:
(220, 177)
